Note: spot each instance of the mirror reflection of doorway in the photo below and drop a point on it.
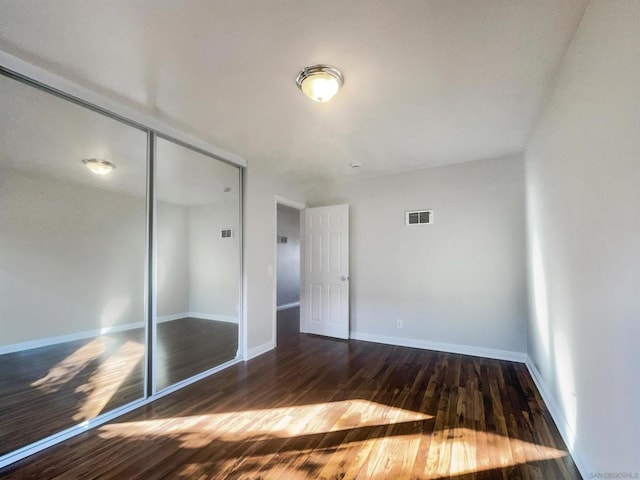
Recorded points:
(288, 272)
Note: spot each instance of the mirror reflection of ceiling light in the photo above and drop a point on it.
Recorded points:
(320, 82)
(99, 167)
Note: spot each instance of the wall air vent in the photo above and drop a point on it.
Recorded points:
(227, 233)
(418, 217)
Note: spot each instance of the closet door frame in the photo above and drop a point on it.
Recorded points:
(13, 68)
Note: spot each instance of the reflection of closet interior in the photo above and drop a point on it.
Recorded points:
(119, 265)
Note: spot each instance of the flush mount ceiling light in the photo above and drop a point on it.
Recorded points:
(320, 82)
(99, 167)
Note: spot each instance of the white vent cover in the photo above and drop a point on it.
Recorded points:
(227, 233)
(418, 217)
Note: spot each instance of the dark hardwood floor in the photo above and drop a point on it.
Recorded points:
(45, 390)
(328, 409)
(190, 346)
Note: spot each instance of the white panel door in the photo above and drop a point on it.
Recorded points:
(325, 304)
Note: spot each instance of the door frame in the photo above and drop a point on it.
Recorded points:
(287, 202)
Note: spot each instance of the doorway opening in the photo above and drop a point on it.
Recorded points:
(287, 270)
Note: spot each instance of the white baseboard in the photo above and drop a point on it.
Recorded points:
(259, 350)
(172, 317)
(567, 433)
(217, 318)
(442, 347)
(45, 342)
(286, 306)
(201, 316)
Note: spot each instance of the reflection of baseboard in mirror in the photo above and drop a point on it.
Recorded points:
(72, 337)
(200, 316)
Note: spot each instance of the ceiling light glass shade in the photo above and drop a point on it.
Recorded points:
(320, 82)
(99, 167)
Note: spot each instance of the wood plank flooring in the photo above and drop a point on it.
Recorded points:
(329, 409)
(45, 390)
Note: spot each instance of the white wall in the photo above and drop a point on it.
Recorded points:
(173, 279)
(458, 281)
(214, 262)
(71, 258)
(583, 201)
(198, 272)
(261, 189)
(288, 255)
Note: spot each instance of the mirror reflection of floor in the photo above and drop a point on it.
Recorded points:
(45, 390)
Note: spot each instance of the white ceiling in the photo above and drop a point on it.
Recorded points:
(427, 82)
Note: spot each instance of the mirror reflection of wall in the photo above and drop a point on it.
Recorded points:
(72, 264)
(198, 262)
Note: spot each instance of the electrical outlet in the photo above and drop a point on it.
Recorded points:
(399, 323)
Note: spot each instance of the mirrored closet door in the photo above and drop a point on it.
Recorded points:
(198, 262)
(72, 264)
(120, 264)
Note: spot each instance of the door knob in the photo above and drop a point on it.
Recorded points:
(344, 279)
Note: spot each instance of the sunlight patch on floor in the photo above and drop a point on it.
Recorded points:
(496, 451)
(107, 379)
(345, 439)
(267, 424)
(382, 458)
(64, 371)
